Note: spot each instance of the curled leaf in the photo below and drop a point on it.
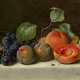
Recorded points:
(56, 14)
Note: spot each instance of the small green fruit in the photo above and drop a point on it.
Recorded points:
(25, 55)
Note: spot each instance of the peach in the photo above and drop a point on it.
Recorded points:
(56, 39)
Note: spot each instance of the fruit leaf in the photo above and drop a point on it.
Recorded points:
(65, 27)
(26, 32)
(56, 15)
(30, 33)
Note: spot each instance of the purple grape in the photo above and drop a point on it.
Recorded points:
(10, 49)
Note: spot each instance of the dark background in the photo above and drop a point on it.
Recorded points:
(13, 12)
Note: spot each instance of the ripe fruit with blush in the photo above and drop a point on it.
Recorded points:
(25, 55)
(56, 39)
(68, 54)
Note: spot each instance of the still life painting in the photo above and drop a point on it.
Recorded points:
(40, 40)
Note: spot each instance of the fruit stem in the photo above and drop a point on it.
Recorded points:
(48, 26)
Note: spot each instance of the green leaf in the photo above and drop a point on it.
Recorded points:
(30, 33)
(56, 14)
(26, 32)
(65, 27)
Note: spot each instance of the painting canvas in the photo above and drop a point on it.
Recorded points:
(39, 39)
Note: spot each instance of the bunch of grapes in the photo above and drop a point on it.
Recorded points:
(9, 49)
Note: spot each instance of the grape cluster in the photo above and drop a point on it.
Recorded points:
(9, 49)
(1, 51)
